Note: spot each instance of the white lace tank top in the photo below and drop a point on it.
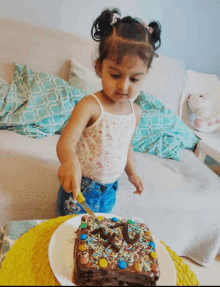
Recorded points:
(103, 147)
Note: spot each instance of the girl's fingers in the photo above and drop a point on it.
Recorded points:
(74, 195)
(139, 187)
(66, 185)
(137, 192)
(75, 186)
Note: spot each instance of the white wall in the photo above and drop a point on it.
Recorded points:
(190, 28)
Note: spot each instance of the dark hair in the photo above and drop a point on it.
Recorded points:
(128, 36)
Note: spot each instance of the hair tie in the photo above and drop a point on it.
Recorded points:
(115, 18)
(150, 29)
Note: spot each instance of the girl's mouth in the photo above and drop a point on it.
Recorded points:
(121, 95)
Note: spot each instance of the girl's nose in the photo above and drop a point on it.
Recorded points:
(123, 85)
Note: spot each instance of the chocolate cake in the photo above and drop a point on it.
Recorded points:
(121, 253)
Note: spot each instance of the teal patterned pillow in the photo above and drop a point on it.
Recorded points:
(36, 104)
(160, 131)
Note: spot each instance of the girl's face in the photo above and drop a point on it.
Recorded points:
(122, 82)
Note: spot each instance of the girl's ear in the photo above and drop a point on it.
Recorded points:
(98, 68)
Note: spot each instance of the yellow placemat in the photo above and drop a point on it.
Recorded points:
(27, 262)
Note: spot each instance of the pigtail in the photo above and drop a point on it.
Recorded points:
(131, 36)
(102, 26)
(154, 37)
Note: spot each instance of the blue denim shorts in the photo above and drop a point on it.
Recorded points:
(99, 197)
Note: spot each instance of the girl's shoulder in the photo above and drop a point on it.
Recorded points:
(89, 105)
(137, 109)
(89, 100)
(138, 113)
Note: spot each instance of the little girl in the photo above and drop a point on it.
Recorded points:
(96, 145)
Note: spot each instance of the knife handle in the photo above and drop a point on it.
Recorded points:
(80, 198)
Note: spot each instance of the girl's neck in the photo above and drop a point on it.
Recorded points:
(112, 106)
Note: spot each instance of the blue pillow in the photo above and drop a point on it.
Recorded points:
(36, 104)
(160, 131)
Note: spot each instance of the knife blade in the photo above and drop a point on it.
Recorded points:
(82, 201)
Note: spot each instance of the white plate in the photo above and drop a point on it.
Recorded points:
(61, 254)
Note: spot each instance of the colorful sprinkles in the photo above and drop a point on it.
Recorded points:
(140, 256)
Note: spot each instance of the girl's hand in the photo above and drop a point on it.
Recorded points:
(137, 182)
(70, 175)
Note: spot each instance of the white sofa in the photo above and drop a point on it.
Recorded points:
(180, 201)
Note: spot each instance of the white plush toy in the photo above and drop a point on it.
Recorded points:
(203, 117)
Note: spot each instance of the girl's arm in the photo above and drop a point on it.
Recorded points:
(130, 166)
(69, 172)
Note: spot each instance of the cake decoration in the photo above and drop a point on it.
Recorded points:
(83, 236)
(122, 264)
(119, 251)
(84, 260)
(155, 267)
(100, 218)
(138, 267)
(126, 235)
(83, 225)
(114, 219)
(82, 247)
(111, 242)
(85, 217)
(103, 263)
(152, 244)
(154, 255)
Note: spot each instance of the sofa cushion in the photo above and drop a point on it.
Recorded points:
(29, 184)
(36, 104)
(84, 78)
(165, 81)
(160, 131)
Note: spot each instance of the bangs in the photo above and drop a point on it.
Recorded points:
(117, 49)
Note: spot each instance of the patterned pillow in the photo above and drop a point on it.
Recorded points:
(160, 131)
(36, 104)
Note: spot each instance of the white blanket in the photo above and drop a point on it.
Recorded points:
(180, 204)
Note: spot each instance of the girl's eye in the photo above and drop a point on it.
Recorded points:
(118, 76)
(134, 80)
(115, 76)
